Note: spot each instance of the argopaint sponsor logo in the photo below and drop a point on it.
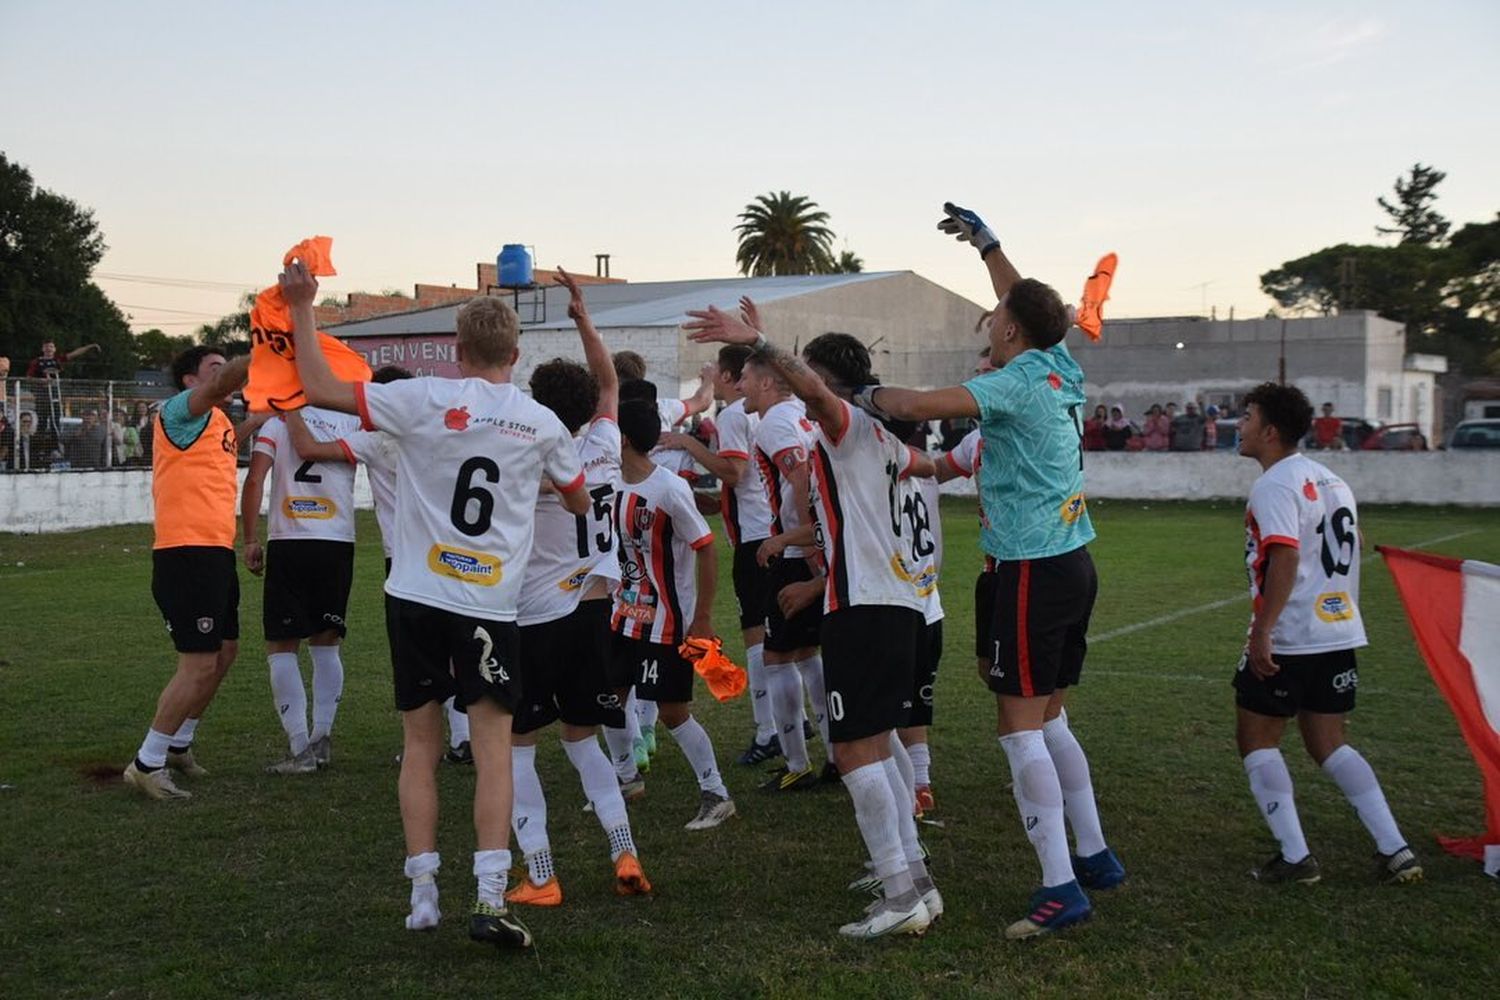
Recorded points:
(309, 508)
(575, 581)
(1334, 607)
(464, 566)
(1072, 508)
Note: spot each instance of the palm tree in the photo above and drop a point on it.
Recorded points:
(783, 234)
(849, 262)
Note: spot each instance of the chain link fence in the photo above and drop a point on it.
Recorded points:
(65, 424)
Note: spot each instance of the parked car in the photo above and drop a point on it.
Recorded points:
(1476, 434)
(1395, 437)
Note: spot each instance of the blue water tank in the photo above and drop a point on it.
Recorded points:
(513, 266)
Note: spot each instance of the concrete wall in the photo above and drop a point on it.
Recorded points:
(1436, 477)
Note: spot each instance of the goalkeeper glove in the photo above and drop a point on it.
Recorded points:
(963, 224)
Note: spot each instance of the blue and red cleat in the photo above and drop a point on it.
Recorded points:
(1052, 909)
(1099, 871)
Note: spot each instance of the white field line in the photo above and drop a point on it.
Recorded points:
(1173, 616)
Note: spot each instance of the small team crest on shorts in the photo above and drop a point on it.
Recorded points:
(463, 565)
(205, 625)
(1335, 607)
(1072, 508)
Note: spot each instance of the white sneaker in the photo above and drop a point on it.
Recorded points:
(712, 810)
(155, 784)
(305, 762)
(887, 919)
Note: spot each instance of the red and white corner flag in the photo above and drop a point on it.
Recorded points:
(1454, 609)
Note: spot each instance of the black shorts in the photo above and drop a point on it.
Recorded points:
(924, 677)
(438, 654)
(657, 672)
(1311, 682)
(752, 586)
(802, 630)
(1039, 623)
(565, 671)
(870, 655)
(984, 614)
(307, 587)
(197, 588)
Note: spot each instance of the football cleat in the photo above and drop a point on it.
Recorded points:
(868, 882)
(785, 780)
(933, 900)
(830, 774)
(300, 763)
(1052, 909)
(925, 802)
(649, 736)
(461, 754)
(1279, 869)
(498, 926)
(322, 750)
(641, 754)
(1099, 871)
(630, 878)
(758, 752)
(155, 784)
(712, 810)
(630, 791)
(883, 919)
(184, 764)
(528, 893)
(1397, 867)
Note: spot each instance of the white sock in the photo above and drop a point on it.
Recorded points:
(785, 687)
(811, 670)
(1271, 784)
(328, 688)
(491, 875)
(621, 752)
(1078, 791)
(633, 716)
(876, 812)
(1356, 779)
(422, 870)
(921, 764)
(760, 701)
(599, 784)
(1039, 796)
(153, 751)
(290, 698)
(528, 814)
(903, 765)
(646, 713)
(699, 750)
(183, 738)
(458, 724)
(906, 824)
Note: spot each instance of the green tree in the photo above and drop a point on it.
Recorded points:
(155, 349)
(231, 333)
(781, 233)
(849, 262)
(49, 247)
(1415, 219)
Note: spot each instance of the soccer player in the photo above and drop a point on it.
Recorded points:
(377, 452)
(566, 643)
(783, 442)
(193, 578)
(308, 564)
(747, 522)
(1302, 543)
(471, 452)
(879, 572)
(919, 508)
(1036, 529)
(668, 570)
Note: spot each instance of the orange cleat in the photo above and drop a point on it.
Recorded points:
(630, 880)
(925, 801)
(527, 893)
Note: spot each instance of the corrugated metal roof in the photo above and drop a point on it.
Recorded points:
(638, 304)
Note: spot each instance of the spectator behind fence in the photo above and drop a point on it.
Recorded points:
(7, 440)
(32, 450)
(1187, 430)
(1327, 429)
(50, 364)
(125, 440)
(1117, 430)
(1157, 433)
(1211, 428)
(1093, 429)
(86, 448)
(4, 367)
(143, 420)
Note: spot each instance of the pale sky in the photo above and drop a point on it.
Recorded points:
(1205, 143)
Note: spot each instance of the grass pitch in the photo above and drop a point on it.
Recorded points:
(272, 887)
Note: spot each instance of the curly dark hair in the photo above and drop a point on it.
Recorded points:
(568, 389)
(1284, 407)
(640, 425)
(1039, 311)
(188, 361)
(842, 356)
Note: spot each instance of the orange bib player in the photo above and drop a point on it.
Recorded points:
(193, 575)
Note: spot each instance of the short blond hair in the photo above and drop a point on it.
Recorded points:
(489, 332)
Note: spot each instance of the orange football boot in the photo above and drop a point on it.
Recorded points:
(630, 880)
(527, 893)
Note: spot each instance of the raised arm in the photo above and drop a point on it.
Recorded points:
(966, 226)
(226, 380)
(594, 351)
(704, 397)
(299, 288)
(309, 448)
(714, 326)
(80, 352)
(916, 404)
